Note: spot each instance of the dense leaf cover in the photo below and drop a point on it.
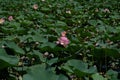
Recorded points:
(59, 39)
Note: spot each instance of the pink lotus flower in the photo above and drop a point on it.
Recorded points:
(63, 40)
(10, 18)
(35, 6)
(43, 0)
(2, 21)
(106, 10)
